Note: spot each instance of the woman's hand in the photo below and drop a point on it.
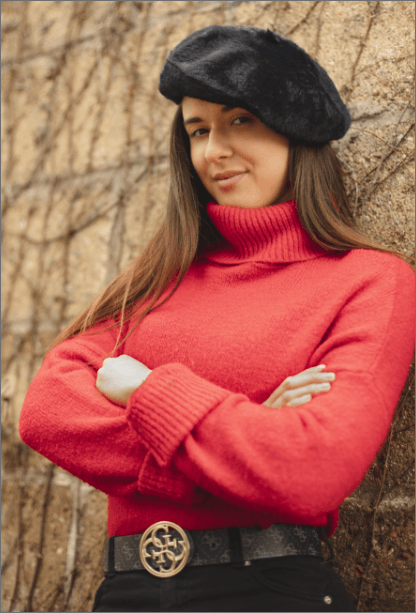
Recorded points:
(119, 377)
(299, 389)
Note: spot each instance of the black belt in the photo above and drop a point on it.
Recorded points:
(165, 548)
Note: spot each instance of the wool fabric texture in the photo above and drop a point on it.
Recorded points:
(262, 72)
(195, 445)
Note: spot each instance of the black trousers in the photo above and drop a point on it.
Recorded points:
(289, 583)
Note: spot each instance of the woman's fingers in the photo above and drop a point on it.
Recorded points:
(284, 393)
(298, 401)
(314, 369)
(310, 390)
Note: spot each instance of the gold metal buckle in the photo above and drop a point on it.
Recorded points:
(168, 556)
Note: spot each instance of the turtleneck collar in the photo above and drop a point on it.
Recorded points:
(267, 234)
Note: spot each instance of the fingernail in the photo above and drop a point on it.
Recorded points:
(321, 366)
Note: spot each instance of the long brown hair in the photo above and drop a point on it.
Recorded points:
(317, 186)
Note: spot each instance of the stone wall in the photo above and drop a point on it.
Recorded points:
(84, 182)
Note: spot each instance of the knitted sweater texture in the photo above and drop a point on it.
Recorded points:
(195, 445)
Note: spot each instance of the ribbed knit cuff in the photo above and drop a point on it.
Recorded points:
(167, 482)
(168, 406)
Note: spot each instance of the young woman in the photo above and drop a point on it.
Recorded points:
(232, 386)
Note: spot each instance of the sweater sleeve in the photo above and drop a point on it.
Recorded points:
(65, 418)
(295, 461)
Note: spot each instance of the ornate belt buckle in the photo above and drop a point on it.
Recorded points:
(164, 549)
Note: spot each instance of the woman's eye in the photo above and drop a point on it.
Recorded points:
(195, 133)
(240, 118)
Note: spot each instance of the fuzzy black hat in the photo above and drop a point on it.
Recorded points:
(260, 71)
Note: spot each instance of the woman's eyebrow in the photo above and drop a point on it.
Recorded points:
(224, 109)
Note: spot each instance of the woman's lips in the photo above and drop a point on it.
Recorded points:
(227, 184)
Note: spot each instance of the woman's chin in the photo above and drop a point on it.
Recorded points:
(237, 200)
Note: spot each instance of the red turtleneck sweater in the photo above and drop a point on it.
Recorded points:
(195, 445)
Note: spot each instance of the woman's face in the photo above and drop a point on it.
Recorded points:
(226, 140)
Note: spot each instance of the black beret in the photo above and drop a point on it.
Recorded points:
(260, 71)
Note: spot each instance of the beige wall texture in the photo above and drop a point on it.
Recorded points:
(84, 182)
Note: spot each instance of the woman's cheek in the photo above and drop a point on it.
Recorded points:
(197, 157)
(198, 164)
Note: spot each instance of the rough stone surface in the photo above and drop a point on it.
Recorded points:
(84, 136)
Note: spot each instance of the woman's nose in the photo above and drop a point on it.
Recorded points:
(218, 147)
